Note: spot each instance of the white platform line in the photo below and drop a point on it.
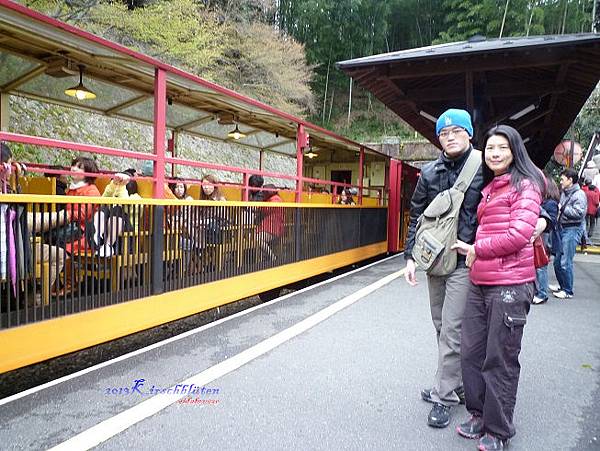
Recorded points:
(109, 428)
(181, 336)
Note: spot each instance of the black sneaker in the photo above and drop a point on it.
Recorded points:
(460, 392)
(471, 429)
(439, 417)
(490, 442)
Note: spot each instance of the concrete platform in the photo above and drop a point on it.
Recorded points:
(351, 381)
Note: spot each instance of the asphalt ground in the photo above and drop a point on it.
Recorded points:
(351, 381)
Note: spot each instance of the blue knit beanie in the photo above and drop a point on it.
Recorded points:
(453, 116)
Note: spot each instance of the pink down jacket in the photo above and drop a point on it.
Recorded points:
(507, 219)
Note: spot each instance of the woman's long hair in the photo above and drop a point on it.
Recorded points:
(216, 194)
(521, 168)
(552, 191)
(173, 185)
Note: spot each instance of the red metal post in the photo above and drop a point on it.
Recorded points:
(361, 168)
(395, 187)
(160, 128)
(171, 147)
(301, 143)
(245, 191)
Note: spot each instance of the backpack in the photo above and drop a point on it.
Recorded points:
(437, 227)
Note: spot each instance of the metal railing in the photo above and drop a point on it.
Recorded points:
(87, 253)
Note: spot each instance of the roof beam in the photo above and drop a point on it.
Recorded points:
(452, 65)
(127, 104)
(195, 123)
(272, 146)
(23, 78)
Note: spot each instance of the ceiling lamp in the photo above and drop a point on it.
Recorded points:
(236, 133)
(80, 91)
(311, 154)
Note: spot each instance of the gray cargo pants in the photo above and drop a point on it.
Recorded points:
(447, 298)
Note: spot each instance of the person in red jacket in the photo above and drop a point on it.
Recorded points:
(593, 201)
(79, 214)
(502, 275)
(271, 226)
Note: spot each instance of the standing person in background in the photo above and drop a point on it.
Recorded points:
(590, 171)
(502, 274)
(571, 214)
(593, 201)
(550, 238)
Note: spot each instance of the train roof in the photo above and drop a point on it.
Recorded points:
(35, 50)
(537, 84)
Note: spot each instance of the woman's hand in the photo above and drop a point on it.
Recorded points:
(539, 229)
(121, 179)
(465, 249)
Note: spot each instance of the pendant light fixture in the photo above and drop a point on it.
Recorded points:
(236, 133)
(311, 154)
(80, 91)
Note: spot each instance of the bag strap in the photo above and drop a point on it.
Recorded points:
(468, 171)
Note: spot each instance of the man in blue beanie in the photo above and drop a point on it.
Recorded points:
(447, 294)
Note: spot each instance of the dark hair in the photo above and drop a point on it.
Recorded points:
(131, 171)
(88, 165)
(521, 168)
(132, 187)
(256, 181)
(571, 173)
(5, 153)
(269, 192)
(173, 185)
(349, 199)
(216, 194)
(552, 190)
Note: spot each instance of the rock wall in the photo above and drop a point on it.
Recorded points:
(52, 121)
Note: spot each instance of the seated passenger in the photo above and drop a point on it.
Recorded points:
(256, 181)
(346, 198)
(71, 236)
(271, 225)
(180, 190)
(110, 222)
(210, 190)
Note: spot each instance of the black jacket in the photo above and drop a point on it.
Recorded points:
(437, 176)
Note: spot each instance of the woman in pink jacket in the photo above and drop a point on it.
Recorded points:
(502, 276)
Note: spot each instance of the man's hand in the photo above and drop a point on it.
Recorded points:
(539, 229)
(410, 272)
(465, 249)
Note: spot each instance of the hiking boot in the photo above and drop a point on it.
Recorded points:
(553, 287)
(471, 429)
(439, 417)
(538, 300)
(562, 294)
(460, 392)
(490, 442)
